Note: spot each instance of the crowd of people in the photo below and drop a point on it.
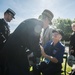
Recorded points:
(32, 39)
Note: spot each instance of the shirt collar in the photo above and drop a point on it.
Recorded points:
(5, 21)
(56, 44)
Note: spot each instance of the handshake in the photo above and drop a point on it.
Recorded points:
(31, 58)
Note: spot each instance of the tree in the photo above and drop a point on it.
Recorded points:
(65, 26)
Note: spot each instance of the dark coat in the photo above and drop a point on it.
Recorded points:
(4, 32)
(26, 36)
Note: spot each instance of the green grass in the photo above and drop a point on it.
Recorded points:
(68, 68)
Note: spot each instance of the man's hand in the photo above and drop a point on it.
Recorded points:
(42, 51)
(31, 55)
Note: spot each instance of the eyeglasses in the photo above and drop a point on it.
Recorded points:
(55, 33)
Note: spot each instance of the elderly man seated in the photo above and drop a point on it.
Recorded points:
(53, 53)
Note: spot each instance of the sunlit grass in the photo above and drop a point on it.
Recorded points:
(68, 68)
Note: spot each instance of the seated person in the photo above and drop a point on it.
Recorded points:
(53, 53)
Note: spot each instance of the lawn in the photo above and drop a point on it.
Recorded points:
(68, 68)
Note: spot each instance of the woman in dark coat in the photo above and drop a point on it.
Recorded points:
(26, 36)
(72, 40)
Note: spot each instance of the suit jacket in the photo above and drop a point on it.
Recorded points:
(4, 32)
(46, 35)
(26, 36)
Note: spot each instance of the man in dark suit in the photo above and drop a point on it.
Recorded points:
(26, 36)
(4, 27)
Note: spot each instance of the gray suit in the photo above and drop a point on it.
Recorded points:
(46, 35)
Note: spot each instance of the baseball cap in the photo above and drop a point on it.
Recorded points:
(58, 31)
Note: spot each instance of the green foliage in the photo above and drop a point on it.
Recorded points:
(65, 26)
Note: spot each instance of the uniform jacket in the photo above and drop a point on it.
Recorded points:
(4, 32)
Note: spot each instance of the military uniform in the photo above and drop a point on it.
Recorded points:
(4, 32)
(4, 28)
